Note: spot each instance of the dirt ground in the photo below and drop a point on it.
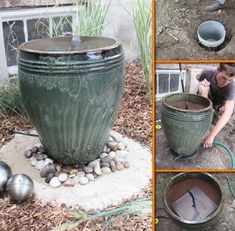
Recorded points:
(226, 220)
(176, 25)
(211, 158)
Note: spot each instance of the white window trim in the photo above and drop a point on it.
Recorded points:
(24, 15)
(169, 71)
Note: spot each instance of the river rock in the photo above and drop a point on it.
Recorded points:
(121, 146)
(46, 169)
(113, 166)
(69, 182)
(106, 170)
(28, 153)
(97, 169)
(40, 164)
(83, 180)
(122, 154)
(110, 139)
(81, 173)
(49, 176)
(112, 154)
(103, 155)
(54, 182)
(106, 159)
(112, 145)
(29, 147)
(33, 161)
(104, 165)
(88, 169)
(90, 177)
(93, 163)
(126, 164)
(119, 166)
(39, 156)
(63, 177)
(49, 161)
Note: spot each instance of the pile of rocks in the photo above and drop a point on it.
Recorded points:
(112, 159)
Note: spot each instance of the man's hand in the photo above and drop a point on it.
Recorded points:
(204, 88)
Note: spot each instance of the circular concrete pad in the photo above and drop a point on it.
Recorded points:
(107, 190)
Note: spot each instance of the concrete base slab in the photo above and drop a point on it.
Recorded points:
(107, 190)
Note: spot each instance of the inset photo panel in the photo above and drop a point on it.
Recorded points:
(195, 30)
(195, 201)
(194, 116)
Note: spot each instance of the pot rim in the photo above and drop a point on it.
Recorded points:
(187, 110)
(114, 44)
(188, 222)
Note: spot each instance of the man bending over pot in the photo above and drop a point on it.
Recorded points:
(219, 86)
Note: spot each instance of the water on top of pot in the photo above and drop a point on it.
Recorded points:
(181, 104)
(69, 44)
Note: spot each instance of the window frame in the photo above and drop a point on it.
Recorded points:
(169, 72)
(24, 15)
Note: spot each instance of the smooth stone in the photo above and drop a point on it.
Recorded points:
(41, 149)
(113, 166)
(121, 146)
(49, 161)
(81, 173)
(105, 149)
(110, 139)
(72, 176)
(63, 177)
(76, 179)
(126, 164)
(103, 155)
(58, 167)
(28, 153)
(49, 176)
(97, 169)
(73, 171)
(112, 145)
(83, 180)
(38, 145)
(46, 169)
(54, 182)
(90, 177)
(112, 154)
(122, 154)
(39, 156)
(93, 163)
(40, 164)
(104, 165)
(108, 150)
(106, 159)
(106, 170)
(67, 168)
(115, 137)
(119, 166)
(33, 161)
(69, 182)
(88, 169)
(115, 159)
(35, 149)
(28, 147)
(45, 156)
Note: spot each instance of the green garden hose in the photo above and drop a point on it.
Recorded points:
(228, 151)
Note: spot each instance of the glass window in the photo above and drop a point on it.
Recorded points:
(61, 25)
(13, 32)
(174, 82)
(38, 28)
(163, 83)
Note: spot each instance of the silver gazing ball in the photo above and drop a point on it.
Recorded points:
(20, 187)
(5, 174)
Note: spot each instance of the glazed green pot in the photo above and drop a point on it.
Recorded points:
(177, 190)
(185, 128)
(71, 89)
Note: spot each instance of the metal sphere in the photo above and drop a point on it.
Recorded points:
(20, 187)
(5, 174)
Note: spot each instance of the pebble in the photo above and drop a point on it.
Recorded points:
(28, 153)
(93, 163)
(121, 146)
(49, 176)
(29, 147)
(39, 156)
(110, 139)
(67, 168)
(49, 161)
(119, 166)
(113, 166)
(106, 170)
(106, 159)
(46, 169)
(72, 175)
(63, 177)
(83, 180)
(126, 164)
(35, 149)
(104, 165)
(81, 173)
(58, 167)
(41, 149)
(115, 159)
(115, 136)
(105, 149)
(33, 161)
(112, 145)
(54, 182)
(73, 171)
(38, 145)
(69, 182)
(97, 169)
(112, 154)
(40, 164)
(122, 154)
(88, 169)
(103, 155)
(90, 177)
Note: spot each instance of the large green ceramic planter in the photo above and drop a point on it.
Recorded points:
(71, 89)
(185, 128)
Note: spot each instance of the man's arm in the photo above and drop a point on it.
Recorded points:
(228, 111)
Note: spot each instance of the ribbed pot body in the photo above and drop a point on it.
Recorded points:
(72, 99)
(185, 129)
